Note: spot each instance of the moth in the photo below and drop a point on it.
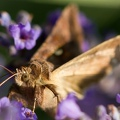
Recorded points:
(39, 83)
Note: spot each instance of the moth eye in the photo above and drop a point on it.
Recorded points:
(25, 77)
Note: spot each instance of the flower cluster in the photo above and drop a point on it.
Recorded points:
(21, 31)
(13, 110)
(24, 36)
(69, 109)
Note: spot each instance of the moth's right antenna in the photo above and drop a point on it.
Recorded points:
(7, 69)
(8, 78)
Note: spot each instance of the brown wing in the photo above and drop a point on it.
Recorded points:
(66, 28)
(87, 68)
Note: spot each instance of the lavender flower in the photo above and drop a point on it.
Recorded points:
(5, 19)
(27, 114)
(118, 98)
(9, 111)
(13, 110)
(69, 109)
(24, 36)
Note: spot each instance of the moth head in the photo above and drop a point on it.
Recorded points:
(29, 75)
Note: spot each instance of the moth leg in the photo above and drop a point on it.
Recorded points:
(34, 104)
(38, 96)
(52, 88)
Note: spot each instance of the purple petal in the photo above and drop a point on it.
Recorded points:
(19, 44)
(68, 108)
(72, 97)
(13, 110)
(29, 44)
(118, 98)
(27, 114)
(8, 111)
(16, 104)
(37, 32)
(5, 19)
(14, 31)
(27, 27)
(85, 46)
(24, 36)
(4, 102)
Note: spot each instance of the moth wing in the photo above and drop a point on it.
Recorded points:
(88, 68)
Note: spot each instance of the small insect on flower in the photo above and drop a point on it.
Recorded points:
(24, 36)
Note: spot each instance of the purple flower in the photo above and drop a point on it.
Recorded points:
(85, 46)
(13, 110)
(27, 114)
(9, 111)
(118, 98)
(5, 19)
(24, 36)
(69, 108)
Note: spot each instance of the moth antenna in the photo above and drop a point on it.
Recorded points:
(34, 105)
(7, 69)
(8, 78)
